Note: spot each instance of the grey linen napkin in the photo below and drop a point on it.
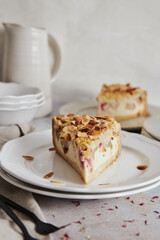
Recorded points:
(14, 131)
(8, 229)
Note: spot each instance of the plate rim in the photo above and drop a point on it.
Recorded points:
(148, 131)
(52, 193)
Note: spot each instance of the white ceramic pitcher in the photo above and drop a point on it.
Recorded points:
(27, 59)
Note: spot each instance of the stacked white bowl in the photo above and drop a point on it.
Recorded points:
(19, 103)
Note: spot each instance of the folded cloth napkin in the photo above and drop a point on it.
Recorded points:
(14, 131)
(8, 229)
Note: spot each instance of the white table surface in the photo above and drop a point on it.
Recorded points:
(135, 218)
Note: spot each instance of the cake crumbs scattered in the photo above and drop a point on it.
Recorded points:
(53, 215)
(141, 204)
(133, 220)
(116, 207)
(48, 175)
(83, 229)
(124, 225)
(159, 217)
(111, 209)
(127, 198)
(145, 222)
(79, 222)
(76, 202)
(66, 237)
(98, 214)
(137, 234)
(155, 197)
(52, 149)
(83, 218)
(132, 202)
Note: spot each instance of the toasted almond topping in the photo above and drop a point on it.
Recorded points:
(118, 91)
(71, 115)
(68, 137)
(101, 184)
(59, 122)
(109, 126)
(94, 137)
(81, 134)
(103, 149)
(83, 130)
(142, 167)
(65, 129)
(62, 116)
(92, 122)
(73, 122)
(58, 182)
(97, 128)
(48, 175)
(85, 116)
(85, 119)
(29, 158)
(72, 128)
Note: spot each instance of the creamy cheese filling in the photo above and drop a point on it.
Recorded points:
(121, 108)
(100, 157)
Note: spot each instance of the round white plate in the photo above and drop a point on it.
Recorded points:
(123, 175)
(90, 108)
(152, 126)
(146, 134)
(51, 193)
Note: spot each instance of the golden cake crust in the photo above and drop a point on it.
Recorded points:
(119, 91)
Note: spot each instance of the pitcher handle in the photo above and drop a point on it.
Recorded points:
(56, 56)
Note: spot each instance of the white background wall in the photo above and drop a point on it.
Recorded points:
(101, 41)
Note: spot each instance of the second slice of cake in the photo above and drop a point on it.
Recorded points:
(88, 144)
(123, 102)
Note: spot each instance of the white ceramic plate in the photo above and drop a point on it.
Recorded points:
(89, 107)
(146, 134)
(152, 126)
(123, 175)
(70, 195)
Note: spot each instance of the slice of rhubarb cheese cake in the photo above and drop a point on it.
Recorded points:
(88, 144)
(123, 102)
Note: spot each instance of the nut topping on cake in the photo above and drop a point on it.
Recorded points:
(83, 129)
(117, 91)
